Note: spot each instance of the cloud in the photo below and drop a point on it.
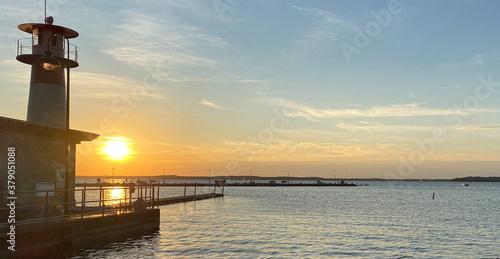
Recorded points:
(24, 11)
(324, 14)
(213, 105)
(476, 60)
(298, 110)
(217, 79)
(101, 86)
(184, 153)
(277, 150)
(116, 138)
(479, 127)
(240, 79)
(172, 45)
(325, 29)
(284, 150)
(15, 71)
(380, 128)
(144, 40)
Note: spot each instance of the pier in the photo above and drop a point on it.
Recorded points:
(98, 215)
(188, 198)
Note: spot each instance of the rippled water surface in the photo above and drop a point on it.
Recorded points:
(383, 220)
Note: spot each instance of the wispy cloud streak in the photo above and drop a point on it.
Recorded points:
(324, 14)
(327, 27)
(144, 40)
(298, 110)
(101, 86)
(479, 127)
(213, 105)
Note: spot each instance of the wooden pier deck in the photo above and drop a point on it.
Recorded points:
(188, 198)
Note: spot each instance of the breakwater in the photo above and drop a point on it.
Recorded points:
(236, 184)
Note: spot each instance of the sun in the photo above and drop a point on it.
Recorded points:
(116, 149)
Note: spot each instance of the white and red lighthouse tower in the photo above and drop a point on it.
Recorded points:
(47, 95)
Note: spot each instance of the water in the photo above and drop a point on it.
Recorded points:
(383, 220)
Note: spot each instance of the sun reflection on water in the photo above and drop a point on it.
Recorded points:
(114, 195)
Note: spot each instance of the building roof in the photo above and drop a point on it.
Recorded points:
(77, 136)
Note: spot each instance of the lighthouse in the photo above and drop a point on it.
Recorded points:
(43, 147)
(47, 94)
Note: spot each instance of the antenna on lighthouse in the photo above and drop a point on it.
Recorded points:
(48, 20)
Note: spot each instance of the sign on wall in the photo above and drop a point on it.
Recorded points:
(43, 187)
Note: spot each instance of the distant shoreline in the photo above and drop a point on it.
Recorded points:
(285, 178)
(478, 179)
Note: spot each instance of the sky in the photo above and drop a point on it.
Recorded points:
(346, 89)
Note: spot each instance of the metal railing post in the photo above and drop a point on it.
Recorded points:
(100, 195)
(153, 196)
(125, 198)
(76, 54)
(82, 205)
(46, 202)
(158, 194)
(103, 203)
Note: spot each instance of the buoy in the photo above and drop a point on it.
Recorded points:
(433, 196)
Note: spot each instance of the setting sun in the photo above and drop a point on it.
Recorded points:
(116, 149)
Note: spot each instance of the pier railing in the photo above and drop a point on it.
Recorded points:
(93, 200)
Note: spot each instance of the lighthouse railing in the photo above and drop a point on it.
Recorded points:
(25, 47)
